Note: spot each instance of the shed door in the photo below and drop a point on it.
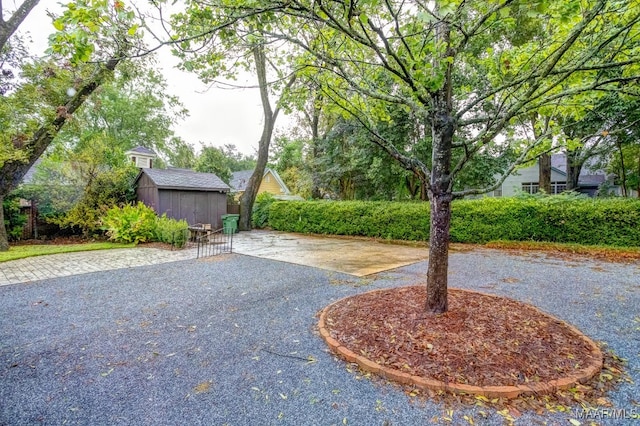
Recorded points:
(188, 207)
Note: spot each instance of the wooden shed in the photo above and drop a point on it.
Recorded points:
(198, 198)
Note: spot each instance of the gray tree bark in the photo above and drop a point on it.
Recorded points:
(251, 191)
(440, 192)
(574, 166)
(7, 28)
(248, 198)
(544, 172)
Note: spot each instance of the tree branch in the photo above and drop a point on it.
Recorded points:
(7, 28)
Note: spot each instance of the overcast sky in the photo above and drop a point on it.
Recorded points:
(216, 117)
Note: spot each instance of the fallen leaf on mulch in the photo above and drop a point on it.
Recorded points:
(482, 340)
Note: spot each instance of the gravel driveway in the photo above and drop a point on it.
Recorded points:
(232, 340)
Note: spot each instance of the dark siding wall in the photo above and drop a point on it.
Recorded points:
(193, 206)
(148, 193)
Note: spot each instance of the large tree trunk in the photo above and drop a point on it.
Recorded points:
(249, 196)
(544, 173)
(12, 172)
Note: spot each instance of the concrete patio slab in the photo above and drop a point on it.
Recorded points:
(354, 256)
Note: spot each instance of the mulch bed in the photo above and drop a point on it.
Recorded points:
(481, 341)
(53, 241)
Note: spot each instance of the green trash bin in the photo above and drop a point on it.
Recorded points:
(230, 223)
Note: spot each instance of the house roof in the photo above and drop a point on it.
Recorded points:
(240, 179)
(142, 150)
(588, 174)
(185, 180)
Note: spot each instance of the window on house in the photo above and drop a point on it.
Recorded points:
(267, 178)
(497, 192)
(134, 160)
(530, 187)
(534, 187)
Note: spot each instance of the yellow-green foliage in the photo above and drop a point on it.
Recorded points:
(130, 223)
(139, 223)
(557, 219)
(171, 231)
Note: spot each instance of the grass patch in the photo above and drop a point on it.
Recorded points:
(609, 253)
(21, 252)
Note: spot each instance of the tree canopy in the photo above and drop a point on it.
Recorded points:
(467, 70)
(51, 90)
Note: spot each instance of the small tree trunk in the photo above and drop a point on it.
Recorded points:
(4, 242)
(412, 186)
(440, 201)
(424, 196)
(638, 177)
(544, 173)
(315, 142)
(440, 192)
(573, 171)
(437, 273)
(623, 170)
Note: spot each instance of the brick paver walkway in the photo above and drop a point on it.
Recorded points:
(65, 264)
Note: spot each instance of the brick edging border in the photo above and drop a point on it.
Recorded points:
(424, 383)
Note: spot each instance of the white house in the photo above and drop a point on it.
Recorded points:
(526, 180)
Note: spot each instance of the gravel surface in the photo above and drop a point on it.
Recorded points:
(232, 340)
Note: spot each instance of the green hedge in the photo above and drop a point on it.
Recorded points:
(614, 222)
(401, 221)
